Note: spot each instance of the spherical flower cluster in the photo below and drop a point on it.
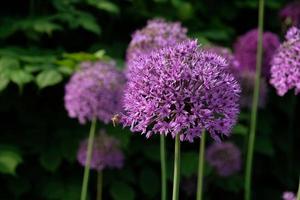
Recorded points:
(157, 34)
(245, 50)
(225, 158)
(181, 90)
(94, 91)
(106, 153)
(288, 196)
(290, 14)
(285, 70)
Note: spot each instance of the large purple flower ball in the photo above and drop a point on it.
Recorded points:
(181, 90)
(245, 50)
(106, 152)
(157, 34)
(285, 70)
(94, 91)
(225, 157)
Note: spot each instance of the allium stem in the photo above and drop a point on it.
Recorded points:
(176, 168)
(248, 173)
(163, 168)
(88, 160)
(298, 193)
(201, 166)
(99, 184)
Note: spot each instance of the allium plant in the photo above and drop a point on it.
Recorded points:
(288, 196)
(245, 50)
(285, 70)
(93, 93)
(157, 34)
(290, 14)
(181, 90)
(225, 158)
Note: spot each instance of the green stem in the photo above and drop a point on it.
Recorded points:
(251, 140)
(298, 193)
(88, 160)
(201, 166)
(99, 184)
(176, 168)
(163, 168)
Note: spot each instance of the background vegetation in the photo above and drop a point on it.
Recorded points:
(41, 43)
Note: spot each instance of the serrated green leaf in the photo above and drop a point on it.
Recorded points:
(20, 77)
(48, 78)
(121, 191)
(9, 160)
(89, 23)
(149, 182)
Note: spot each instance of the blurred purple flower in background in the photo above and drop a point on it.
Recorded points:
(181, 90)
(106, 152)
(156, 35)
(94, 90)
(246, 46)
(290, 14)
(288, 196)
(285, 70)
(225, 157)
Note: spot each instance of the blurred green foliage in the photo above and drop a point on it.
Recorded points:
(41, 44)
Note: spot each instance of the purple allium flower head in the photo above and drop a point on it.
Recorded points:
(157, 34)
(290, 14)
(224, 157)
(94, 91)
(285, 70)
(288, 196)
(181, 90)
(106, 153)
(245, 50)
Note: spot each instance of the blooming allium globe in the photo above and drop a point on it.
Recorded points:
(288, 196)
(285, 70)
(157, 34)
(290, 14)
(106, 152)
(245, 50)
(181, 90)
(94, 91)
(224, 157)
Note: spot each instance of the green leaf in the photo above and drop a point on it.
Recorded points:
(3, 82)
(9, 160)
(107, 6)
(240, 129)
(51, 159)
(48, 78)
(8, 64)
(149, 182)
(20, 77)
(121, 191)
(189, 163)
(89, 23)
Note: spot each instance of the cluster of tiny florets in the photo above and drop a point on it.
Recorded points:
(181, 90)
(225, 158)
(106, 153)
(290, 14)
(94, 91)
(288, 196)
(156, 35)
(245, 50)
(285, 70)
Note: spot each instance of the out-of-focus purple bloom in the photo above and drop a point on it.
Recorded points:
(94, 91)
(288, 196)
(157, 34)
(224, 157)
(106, 153)
(285, 70)
(181, 90)
(290, 14)
(245, 50)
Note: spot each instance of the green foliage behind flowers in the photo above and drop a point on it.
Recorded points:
(41, 44)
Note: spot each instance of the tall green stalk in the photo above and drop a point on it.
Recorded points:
(88, 160)
(251, 140)
(176, 169)
(99, 184)
(163, 168)
(298, 193)
(201, 166)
